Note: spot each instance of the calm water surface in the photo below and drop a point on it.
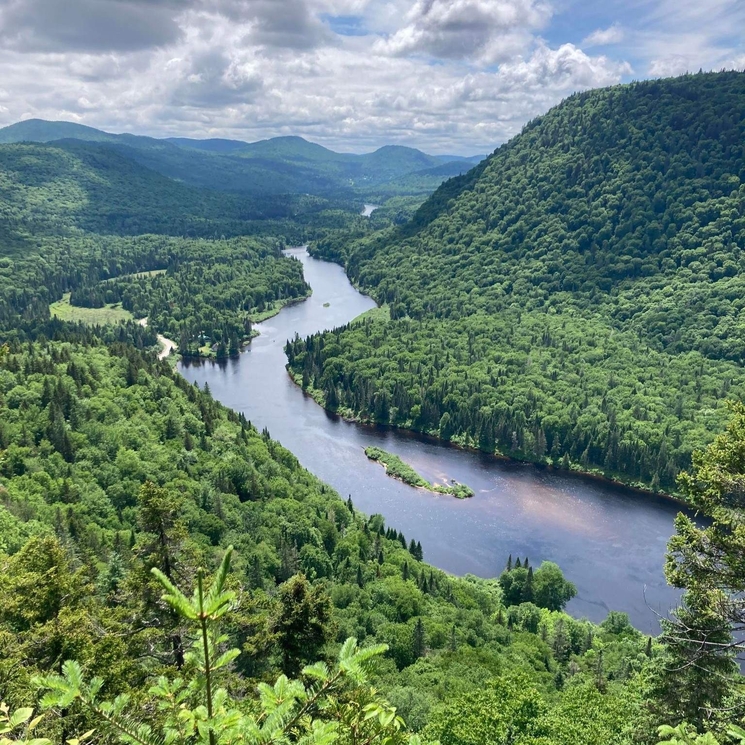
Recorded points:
(608, 540)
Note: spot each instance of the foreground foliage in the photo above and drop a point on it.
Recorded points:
(337, 705)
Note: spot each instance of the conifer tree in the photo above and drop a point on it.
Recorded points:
(418, 639)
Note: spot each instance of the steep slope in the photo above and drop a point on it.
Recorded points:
(578, 295)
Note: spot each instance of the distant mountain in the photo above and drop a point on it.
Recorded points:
(214, 145)
(418, 183)
(280, 165)
(40, 130)
(52, 188)
(292, 148)
(473, 159)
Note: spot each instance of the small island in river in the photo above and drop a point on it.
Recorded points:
(396, 468)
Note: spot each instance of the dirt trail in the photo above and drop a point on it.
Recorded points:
(168, 345)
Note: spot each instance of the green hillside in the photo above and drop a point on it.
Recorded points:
(577, 298)
(40, 130)
(74, 214)
(281, 165)
(112, 464)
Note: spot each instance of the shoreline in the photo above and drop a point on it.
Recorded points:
(170, 345)
(432, 488)
(641, 490)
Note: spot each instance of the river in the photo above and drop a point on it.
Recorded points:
(608, 540)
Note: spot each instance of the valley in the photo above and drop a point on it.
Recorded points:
(198, 543)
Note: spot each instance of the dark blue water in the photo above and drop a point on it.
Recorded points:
(608, 540)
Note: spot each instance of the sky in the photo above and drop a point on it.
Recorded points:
(446, 76)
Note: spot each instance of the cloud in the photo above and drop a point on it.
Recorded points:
(604, 36)
(486, 30)
(88, 25)
(443, 75)
(289, 24)
(666, 67)
(212, 79)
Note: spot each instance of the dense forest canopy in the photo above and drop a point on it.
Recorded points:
(77, 219)
(113, 464)
(576, 298)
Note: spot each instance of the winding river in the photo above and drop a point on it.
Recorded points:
(608, 540)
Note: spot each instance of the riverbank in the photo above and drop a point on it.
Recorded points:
(608, 540)
(265, 315)
(574, 468)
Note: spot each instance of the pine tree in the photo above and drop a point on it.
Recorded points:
(509, 564)
(405, 572)
(528, 594)
(360, 578)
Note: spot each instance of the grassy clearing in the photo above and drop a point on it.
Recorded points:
(383, 313)
(92, 316)
(396, 468)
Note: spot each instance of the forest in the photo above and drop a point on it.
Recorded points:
(113, 465)
(265, 172)
(171, 574)
(575, 299)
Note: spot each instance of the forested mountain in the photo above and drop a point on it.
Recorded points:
(77, 212)
(281, 165)
(574, 299)
(40, 130)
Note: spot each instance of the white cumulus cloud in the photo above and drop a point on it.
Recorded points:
(604, 36)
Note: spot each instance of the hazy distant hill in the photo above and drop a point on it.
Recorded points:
(213, 145)
(281, 165)
(50, 188)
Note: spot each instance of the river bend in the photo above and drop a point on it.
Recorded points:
(609, 541)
